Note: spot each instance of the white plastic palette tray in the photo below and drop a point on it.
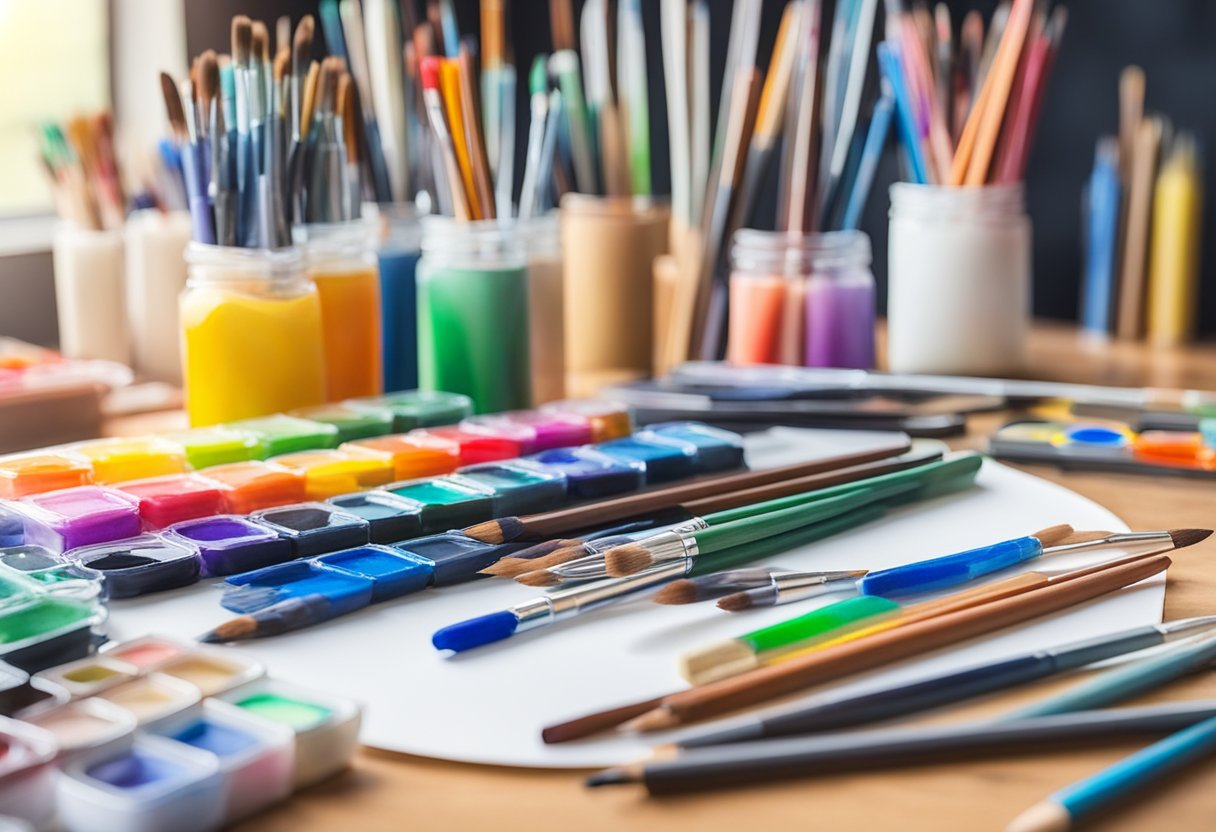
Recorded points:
(489, 705)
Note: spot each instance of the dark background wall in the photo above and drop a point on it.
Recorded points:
(1171, 39)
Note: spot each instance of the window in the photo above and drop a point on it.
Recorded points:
(54, 63)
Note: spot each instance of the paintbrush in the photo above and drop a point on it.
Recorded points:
(787, 513)
(925, 627)
(386, 132)
(429, 70)
(538, 84)
(701, 153)
(351, 25)
(449, 86)
(478, 163)
(564, 64)
(773, 760)
(634, 104)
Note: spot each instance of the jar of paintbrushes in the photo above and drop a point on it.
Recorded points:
(252, 337)
(960, 279)
(400, 249)
(801, 299)
(473, 312)
(609, 245)
(340, 259)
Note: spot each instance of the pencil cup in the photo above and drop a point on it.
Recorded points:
(806, 299)
(340, 259)
(473, 312)
(252, 341)
(155, 277)
(547, 342)
(400, 248)
(959, 279)
(89, 294)
(609, 245)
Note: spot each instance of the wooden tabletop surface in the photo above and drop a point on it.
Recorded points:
(387, 791)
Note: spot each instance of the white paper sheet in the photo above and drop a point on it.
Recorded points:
(488, 705)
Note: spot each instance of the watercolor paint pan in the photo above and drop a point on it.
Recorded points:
(455, 557)
(545, 430)
(717, 450)
(47, 631)
(393, 572)
(418, 408)
(590, 475)
(445, 503)
(483, 445)
(153, 697)
(22, 694)
(74, 517)
(147, 652)
(218, 445)
(253, 485)
(12, 528)
(212, 671)
(314, 528)
(38, 471)
(517, 490)
(414, 455)
(256, 756)
(86, 726)
(330, 472)
(608, 419)
(389, 518)
(164, 501)
(665, 460)
(134, 458)
(90, 676)
(326, 727)
(154, 785)
(283, 434)
(23, 559)
(27, 772)
(343, 591)
(352, 422)
(228, 544)
(141, 565)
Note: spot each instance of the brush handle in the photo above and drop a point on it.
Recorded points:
(950, 570)
(827, 619)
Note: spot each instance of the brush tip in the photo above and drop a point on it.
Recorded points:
(475, 632)
(678, 592)
(540, 578)
(738, 602)
(245, 626)
(608, 777)
(1188, 537)
(628, 559)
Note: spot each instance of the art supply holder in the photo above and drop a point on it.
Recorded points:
(340, 259)
(88, 266)
(547, 343)
(252, 340)
(399, 251)
(609, 245)
(802, 299)
(473, 327)
(155, 277)
(959, 295)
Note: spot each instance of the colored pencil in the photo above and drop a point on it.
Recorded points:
(1102, 240)
(774, 760)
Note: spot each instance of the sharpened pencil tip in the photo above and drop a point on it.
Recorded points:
(609, 777)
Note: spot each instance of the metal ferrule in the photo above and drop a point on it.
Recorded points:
(567, 603)
(582, 569)
(1133, 543)
(739, 578)
(535, 613)
(1186, 626)
(798, 585)
(673, 546)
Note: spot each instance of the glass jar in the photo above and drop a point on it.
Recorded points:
(801, 299)
(547, 342)
(88, 268)
(251, 334)
(155, 277)
(400, 248)
(340, 259)
(958, 299)
(473, 312)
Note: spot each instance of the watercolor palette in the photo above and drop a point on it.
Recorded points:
(122, 459)
(352, 422)
(716, 449)
(590, 475)
(665, 460)
(1108, 446)
(608, 420)
(218, 445)
(73, 517)
(283, 434)
(414, 455)
(517, 490)
(389, 518)
(418, 408)
(328, 473)
(446, 503)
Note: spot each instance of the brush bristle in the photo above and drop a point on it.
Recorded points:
(246, 626)
(682, 591)
(1052, 535)
(282, 64)
(502, 530)
(524, 560)
(539, 578)
(173, 104)
(628, 559)
(738, 602)
(260, 42)
(242, 40)
(301, 45)
(208, 76)
(585, 726)
(1188, 537)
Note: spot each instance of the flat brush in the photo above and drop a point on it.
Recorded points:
(568, 603)
(784, 514)
(558, 523)
(724, 508)
(828, 713)
(773, 760)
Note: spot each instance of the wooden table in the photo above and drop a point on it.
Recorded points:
(387, 791)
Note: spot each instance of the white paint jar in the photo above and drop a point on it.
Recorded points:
(155, 278)
(89, 296)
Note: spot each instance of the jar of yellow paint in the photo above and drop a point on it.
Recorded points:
(251, 334)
